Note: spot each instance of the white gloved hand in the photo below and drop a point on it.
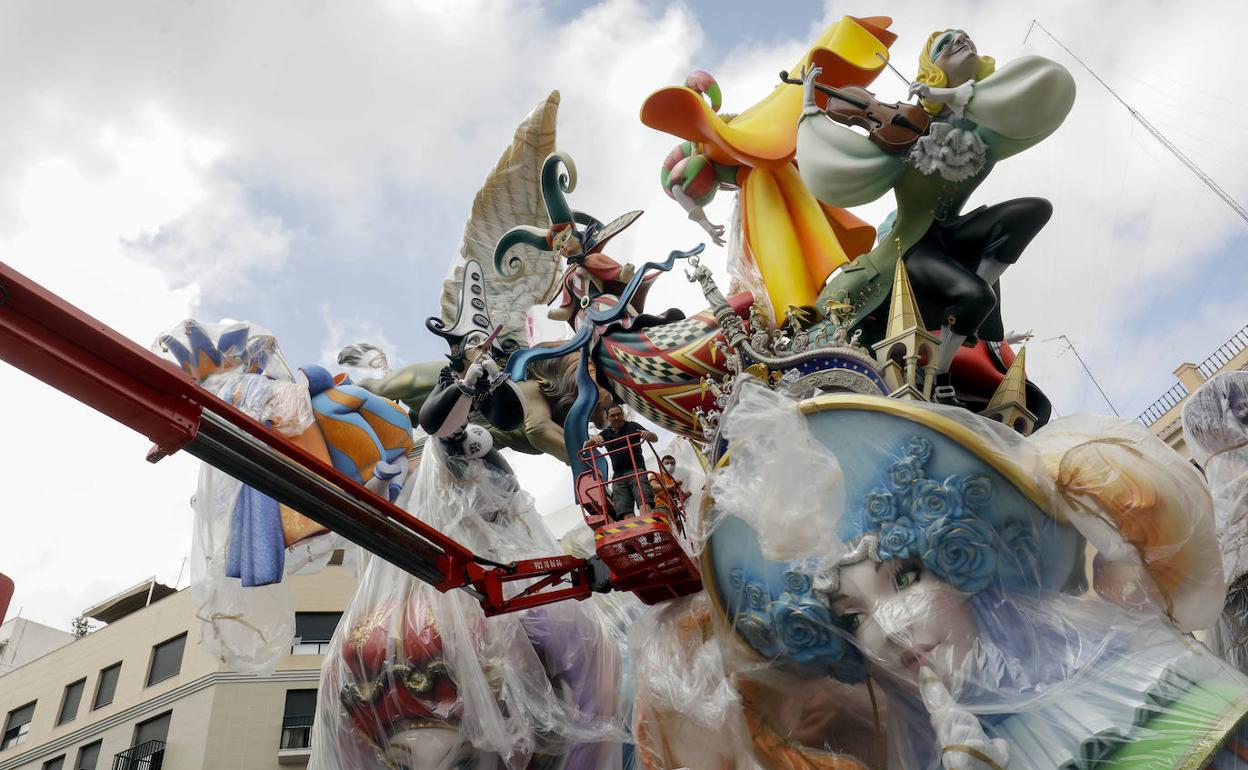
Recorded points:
(963, 743)
(388, 479)
(716, 232)
(475, 370)
(808, 86)
(955, 98)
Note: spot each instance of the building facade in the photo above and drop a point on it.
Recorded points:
(140, 693)
(1164, 418)
(22, 641)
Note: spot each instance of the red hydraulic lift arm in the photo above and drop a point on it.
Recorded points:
(54, 341)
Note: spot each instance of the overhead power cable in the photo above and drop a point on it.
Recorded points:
(1143, 121)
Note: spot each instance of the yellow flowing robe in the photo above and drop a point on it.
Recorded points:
(794, 239)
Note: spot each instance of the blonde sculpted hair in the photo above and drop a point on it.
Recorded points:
(934, 76)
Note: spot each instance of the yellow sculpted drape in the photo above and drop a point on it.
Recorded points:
(795, 241)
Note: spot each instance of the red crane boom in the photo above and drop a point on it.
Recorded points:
(54, 341)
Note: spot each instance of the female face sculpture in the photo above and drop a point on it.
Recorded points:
(903, 617)
(566, 244)
(955, 54)
(1237, 405)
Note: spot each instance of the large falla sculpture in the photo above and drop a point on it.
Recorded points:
(868, 546)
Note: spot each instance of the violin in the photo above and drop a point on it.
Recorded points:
(894, 128)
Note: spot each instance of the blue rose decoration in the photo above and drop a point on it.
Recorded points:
(960, 551)
(904, 473)
(756, 596)
(919, 448)
(975, 491)
(797, 582)
(934, 501)
(880, 507)
(898, 539)
(804, 627)
(758, 634)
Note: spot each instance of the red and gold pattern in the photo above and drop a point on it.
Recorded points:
(658, 371)
(395, 676)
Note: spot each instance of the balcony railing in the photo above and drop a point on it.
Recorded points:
(1169, 400)
(145, 756)
(1225, 353)
(296, 733)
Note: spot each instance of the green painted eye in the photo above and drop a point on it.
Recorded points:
(851, 621)
(906, 577)
(942, 43)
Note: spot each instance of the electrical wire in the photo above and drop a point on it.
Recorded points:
(1157, 134)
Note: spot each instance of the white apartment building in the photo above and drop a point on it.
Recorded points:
(140, 694)
(1164, 417)
(22, 641)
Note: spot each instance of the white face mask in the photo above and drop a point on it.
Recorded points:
(903, 616)
(670, 466)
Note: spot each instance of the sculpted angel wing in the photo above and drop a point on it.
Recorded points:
(511, 195)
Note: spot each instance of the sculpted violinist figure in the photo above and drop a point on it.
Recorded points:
(979, 116)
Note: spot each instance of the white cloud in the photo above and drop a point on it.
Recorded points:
(84, 515)
(336, 148)
(217, 244)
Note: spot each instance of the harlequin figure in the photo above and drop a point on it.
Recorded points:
(591, 279)
(981, 116)
(590, 273)
(789, 242)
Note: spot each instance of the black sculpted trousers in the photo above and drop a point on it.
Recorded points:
(942, 265)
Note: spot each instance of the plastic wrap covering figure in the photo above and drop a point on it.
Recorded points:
(788, 242)
(955, 585)
(981, 116)
(1215, 427)
(244, 542)
(420, 680)
(657, 369)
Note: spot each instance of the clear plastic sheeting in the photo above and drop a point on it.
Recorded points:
(241, 536)
(419, 679)
(1215, 427)
(687, 713)
(743, 271)
(1147, 513)
(778, 474)
(691, 474)
(952, 610)
(703, 700)
(246, 629)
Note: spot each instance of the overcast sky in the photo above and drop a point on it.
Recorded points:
(309, 166)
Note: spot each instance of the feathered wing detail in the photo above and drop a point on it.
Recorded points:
(511, 195)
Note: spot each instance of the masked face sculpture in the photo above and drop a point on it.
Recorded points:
(955, 54)
(902, 616)
(952, 577)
